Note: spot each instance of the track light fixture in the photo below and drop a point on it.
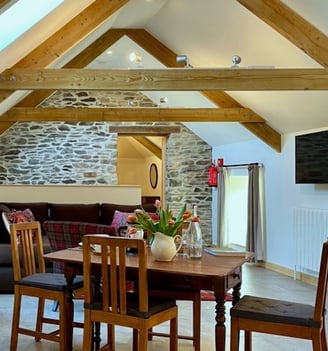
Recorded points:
(236, 60)
(183, 59)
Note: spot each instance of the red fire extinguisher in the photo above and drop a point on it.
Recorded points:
(212, 175)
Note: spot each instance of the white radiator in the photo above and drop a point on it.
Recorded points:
(311, 231)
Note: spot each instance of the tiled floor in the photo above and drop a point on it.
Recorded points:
(256, 280)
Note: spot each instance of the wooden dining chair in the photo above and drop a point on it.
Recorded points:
(31, 279)
(116, 305)
(263, 315)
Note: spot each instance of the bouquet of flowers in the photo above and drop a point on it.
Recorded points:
(165, 223)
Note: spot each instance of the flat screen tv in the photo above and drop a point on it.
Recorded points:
(311, 158)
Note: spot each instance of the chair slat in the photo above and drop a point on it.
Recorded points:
(126, 308)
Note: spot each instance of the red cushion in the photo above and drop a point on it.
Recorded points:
(17, 217)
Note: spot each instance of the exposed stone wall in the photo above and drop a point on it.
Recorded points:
(97, 99)
(64, 153)
(58, 153)
(187, 161)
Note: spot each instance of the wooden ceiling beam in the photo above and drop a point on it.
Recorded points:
(292, 26)
(133, 115)
(168, 58)
(262, 130)
(154, 47)
(73, 32)
(81, 60)
(162, 53)
(70, 34)
(145, 130)
(175, 79)
(5, 4)
(5, 125)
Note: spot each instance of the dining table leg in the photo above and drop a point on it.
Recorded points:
(220, 329)
(220, 311)
(236, 293)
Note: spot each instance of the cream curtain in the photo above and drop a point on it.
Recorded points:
(255, 209)
(222, 198)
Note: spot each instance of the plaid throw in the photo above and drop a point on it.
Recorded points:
(66, 234)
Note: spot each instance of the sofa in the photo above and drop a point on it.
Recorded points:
(105, 215)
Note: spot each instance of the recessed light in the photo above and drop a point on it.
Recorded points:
(134, 57)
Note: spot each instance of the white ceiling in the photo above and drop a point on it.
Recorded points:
(210, 32)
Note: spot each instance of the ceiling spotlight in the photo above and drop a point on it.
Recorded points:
(183, 59)
(134, 57)
(236, 60)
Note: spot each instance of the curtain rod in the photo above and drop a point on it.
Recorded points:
(242, 165)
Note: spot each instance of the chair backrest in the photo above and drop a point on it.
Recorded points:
(113, 271)
(320, 301)
(26, 249)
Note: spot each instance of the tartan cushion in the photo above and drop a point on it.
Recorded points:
(66, 234)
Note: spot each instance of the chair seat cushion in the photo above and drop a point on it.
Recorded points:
(276, 311)
(155, 305)
(50, 281)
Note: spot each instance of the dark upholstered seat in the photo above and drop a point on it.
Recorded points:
(275, 311)
(50, 281)
(155, 305)
(279, 317)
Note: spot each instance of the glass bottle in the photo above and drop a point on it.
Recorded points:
(194, 238)
(184, 235)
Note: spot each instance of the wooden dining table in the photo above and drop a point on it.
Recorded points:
(216, 273)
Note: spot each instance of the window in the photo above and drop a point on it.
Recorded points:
(21, 16)
(237, 209)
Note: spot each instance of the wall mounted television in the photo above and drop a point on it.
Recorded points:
(311, 158)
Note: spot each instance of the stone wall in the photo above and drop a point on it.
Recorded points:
(58, 153)
(64, 153)
(187, 161)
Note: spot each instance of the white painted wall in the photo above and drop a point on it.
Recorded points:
(282, 194)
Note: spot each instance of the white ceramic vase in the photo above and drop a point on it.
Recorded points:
(164, 248)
